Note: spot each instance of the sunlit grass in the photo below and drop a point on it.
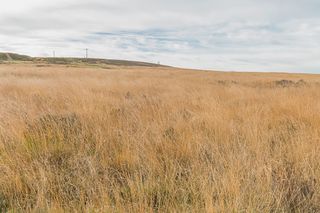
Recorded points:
(157, 139)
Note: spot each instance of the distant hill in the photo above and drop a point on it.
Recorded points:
(14, 57)
(59, 60)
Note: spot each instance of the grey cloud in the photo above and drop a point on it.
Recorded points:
(229, 35)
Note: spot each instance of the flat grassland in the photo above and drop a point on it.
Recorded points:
(142, 139)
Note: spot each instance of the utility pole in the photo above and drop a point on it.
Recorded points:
(87, 50)
(54, 53)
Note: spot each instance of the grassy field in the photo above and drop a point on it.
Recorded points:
(157, 139)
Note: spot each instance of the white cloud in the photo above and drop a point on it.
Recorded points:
(229, 35)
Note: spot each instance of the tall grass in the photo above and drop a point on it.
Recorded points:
(157, 140)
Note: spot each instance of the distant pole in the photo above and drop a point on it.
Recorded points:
(87, 52)
(54, 54)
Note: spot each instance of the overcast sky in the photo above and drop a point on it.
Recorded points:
(244, 35)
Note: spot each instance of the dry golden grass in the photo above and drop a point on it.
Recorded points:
(157, 139)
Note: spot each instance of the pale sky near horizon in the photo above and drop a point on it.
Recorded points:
(230, 35)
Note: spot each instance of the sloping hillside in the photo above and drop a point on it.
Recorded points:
(50, 60)
(14, 57)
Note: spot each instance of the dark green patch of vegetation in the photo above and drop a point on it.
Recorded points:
(14, 57)
(74, 61)
(94, 61)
